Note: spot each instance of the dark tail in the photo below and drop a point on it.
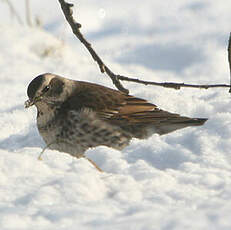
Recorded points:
(171, 125)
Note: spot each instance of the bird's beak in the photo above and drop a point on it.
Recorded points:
(28, 103)
(31, 102)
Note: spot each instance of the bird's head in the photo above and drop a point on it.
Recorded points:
(46, 89)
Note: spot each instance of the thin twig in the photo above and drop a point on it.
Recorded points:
(28, 16)
(229, 59)
(172, 85)
(14, 12)
(67, 10)
(75, 26)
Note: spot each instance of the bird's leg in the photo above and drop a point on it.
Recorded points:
(91, 161)
(77, 156)
(44, 149)
(94, 164)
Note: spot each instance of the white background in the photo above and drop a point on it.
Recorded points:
(178, 181)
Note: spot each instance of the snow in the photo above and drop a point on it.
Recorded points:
(178, 181)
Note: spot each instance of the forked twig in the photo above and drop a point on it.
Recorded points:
(68, 13)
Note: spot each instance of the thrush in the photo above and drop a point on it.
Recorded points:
(73, 116)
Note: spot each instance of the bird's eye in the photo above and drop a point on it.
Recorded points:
(46, 88)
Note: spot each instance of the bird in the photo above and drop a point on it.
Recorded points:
(73, 116)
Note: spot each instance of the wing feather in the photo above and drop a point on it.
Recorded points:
(126, 111)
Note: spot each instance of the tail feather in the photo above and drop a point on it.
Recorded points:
(174, 124)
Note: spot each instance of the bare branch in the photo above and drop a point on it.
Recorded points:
(229, 59)
(75, 26)
(28, 16)
(172, 85)
(13, 11)
(68, 13)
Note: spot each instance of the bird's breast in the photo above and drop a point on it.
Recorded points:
(76, 131)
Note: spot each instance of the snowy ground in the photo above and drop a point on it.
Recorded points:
(178, 181)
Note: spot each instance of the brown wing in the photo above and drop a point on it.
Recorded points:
(96, 97)
(108, 103)
(128, 112)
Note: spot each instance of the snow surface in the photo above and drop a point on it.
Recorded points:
(178, 181)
